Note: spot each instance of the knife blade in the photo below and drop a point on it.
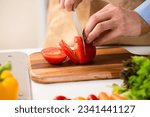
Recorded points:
(78, 27)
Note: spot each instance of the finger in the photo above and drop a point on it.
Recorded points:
(77, 3)
(69, 5)
(98, 29)
(107, 7)
(109, 35)
(95, 19)
(61, 2)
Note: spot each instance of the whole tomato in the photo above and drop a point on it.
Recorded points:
(92, 97)
(61, 97)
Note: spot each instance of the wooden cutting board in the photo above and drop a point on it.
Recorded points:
(106, 65)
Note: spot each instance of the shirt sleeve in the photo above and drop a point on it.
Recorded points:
(144, 11)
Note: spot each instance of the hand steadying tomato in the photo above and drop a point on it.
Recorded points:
(54, 55)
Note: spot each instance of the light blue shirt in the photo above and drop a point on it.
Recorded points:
(144, 11)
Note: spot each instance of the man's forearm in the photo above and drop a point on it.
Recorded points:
(144, 11)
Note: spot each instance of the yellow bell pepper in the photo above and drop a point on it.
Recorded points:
(9, 86)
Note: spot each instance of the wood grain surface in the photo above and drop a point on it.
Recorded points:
(106, 65)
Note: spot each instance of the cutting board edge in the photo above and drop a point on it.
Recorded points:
(75, 78)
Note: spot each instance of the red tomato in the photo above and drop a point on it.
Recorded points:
(92, 97)
(54, 55)
(69, 52)
(90, 51)
(60, 97)
(78, 55)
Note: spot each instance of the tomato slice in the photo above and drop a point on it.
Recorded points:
(69, 52)
(79, 49)
(53, 55)
(88, 55)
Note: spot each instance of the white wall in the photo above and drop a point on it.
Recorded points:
(22, 23)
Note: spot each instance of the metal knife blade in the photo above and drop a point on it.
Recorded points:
(78, 27)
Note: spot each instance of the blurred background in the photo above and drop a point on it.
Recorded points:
(22, 23)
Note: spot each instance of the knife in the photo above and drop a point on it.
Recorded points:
(78, 27)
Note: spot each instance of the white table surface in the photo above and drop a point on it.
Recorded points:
(70, 89)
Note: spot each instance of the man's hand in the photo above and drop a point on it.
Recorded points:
(112, 22)
(69, 5)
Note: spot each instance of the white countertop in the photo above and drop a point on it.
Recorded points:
(70, 89)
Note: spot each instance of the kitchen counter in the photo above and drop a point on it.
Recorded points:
(70, 89)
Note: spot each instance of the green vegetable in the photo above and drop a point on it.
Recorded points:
(136, 77)
(118, 89)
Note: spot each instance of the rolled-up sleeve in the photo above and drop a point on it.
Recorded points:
(144, 11)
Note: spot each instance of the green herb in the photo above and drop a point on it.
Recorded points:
(136, 77)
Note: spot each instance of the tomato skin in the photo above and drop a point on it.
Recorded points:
(54, 55)
(69, 52)
(60, 97)
(79, 54)
(79, 48)
(88, 55)
(92, 97)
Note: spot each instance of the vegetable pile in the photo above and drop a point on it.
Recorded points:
(136, 77)
(79, 55)
(100, 96)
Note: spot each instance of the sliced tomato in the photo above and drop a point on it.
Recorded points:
(79, 49)
(54, 55)
(69, 52)
(88, 55)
